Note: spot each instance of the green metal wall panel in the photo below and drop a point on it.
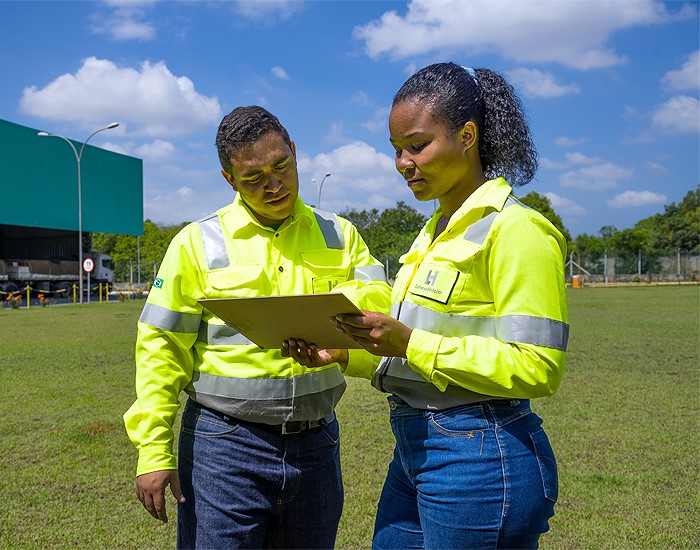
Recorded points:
(39, 184)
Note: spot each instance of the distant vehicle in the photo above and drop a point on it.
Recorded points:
(47, 261)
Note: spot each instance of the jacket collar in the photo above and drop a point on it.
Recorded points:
(490, 195)
(238, 218)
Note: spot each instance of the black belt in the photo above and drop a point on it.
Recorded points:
(292, 427)
(296, 426)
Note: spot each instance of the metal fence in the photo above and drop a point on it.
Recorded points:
(134, 274)
(681, 267)
(622, 268)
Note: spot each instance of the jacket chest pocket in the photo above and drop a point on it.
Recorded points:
(434, 281)
(324, 269)
(444, 276)
(238, 282)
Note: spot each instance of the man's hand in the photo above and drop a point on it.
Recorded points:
(310, 356)
(150, 490)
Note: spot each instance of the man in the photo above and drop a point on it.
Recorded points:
(258, 457)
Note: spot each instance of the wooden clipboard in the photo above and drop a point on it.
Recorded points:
(268, 320)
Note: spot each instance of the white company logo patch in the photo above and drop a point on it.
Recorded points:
(433, 282)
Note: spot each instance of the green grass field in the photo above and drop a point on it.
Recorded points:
(624, 425)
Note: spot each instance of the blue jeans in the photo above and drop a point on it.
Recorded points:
(250, 486)
(475, 476)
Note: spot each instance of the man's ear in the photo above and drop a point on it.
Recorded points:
(229, 179)
(469, 134)
(294, 149)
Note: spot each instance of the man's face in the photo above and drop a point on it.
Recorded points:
(264, 174)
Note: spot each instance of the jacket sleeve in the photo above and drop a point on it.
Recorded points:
(525, 266)
(368, 290)
(167, 331)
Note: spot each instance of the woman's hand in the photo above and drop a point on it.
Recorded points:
(377, 333)
(310, 356)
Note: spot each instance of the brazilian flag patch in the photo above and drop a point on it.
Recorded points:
(158, 283)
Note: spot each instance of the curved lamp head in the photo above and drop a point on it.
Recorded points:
(108, 127)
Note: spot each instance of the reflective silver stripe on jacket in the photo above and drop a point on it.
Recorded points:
(394, 373)
(220, 335)
(213, 240)
(522, 329)
(215, 245)
(369, 273)
(270, 400)
(477, 232)
(330, 228)
(167, 319)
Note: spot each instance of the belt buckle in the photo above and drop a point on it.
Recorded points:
(299, 426)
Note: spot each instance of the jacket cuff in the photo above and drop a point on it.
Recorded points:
(155, 458)
(361, 364)
(421, 354)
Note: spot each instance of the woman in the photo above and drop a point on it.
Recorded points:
(478, 325)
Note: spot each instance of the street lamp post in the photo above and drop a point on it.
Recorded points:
(318, 203)
(78, 158)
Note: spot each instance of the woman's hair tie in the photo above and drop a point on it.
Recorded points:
(471, 73)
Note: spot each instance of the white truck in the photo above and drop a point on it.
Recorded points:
(40, 258)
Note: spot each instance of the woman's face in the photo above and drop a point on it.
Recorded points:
(431, 158)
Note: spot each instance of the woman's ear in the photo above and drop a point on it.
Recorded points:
(469, 134)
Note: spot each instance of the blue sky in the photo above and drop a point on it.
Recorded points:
(610, 89)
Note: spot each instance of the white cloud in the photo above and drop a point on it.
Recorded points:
(539, 84)
(580, 158)
(685, 78)
(132, 30)
(679, 115)
(361, 178)
(564, 141)
(126, 21)
(130, 4)
(574, 34)
(336, 133)
(570, 159)
(630, 112)
(185, 193)
(157, 151)
(170, 198)
(378, 123)
(361, 98)
(151, 100)
(115, 148)
(630, 199)
(565, 206)
(279, 72)
(267, 11)
(595, 177)
(655, 167)
(545, 162)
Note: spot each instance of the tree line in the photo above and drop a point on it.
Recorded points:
(390, 232)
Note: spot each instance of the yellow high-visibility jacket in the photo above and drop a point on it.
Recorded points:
(181, 347)
(487, 303)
